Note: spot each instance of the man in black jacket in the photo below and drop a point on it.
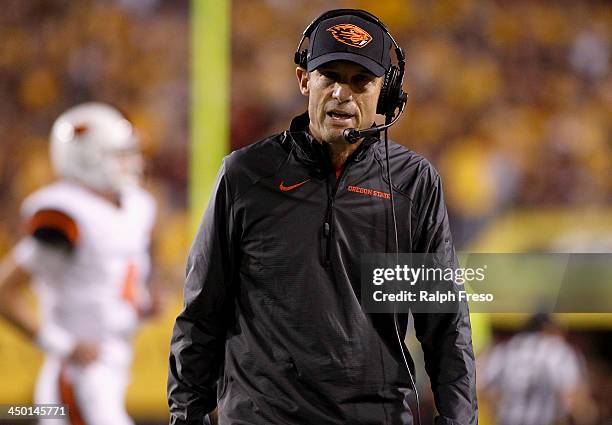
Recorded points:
(273, 330)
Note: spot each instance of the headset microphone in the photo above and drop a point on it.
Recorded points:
(352, 135)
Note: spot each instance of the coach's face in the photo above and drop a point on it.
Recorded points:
(341, 94)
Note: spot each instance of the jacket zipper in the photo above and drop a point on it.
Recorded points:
(328, 226)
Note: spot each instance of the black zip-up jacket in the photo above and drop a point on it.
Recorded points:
(272, 330)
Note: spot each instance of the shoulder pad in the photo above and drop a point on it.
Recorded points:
(54, 227)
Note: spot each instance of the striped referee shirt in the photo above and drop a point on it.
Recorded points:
(530, 374)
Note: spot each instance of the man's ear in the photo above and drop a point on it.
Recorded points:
(303, 79)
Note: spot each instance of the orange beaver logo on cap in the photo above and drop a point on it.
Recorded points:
(350, 34)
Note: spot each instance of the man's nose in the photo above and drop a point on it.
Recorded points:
(342, 92)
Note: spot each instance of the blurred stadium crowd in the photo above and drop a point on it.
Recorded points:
(511, 101)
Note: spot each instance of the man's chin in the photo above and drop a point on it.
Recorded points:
(335, 135)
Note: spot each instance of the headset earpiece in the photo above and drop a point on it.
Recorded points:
(391, 94)
(382, 107)
(300, 58)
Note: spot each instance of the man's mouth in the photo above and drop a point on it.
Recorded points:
(339, 115)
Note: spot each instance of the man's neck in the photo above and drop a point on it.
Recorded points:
(339, 153)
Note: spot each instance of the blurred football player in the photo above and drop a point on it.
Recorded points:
(86, 250)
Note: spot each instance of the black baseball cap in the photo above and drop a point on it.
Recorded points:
(352, 38)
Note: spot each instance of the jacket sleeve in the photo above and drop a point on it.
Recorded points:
(445, 338)
(198, 341)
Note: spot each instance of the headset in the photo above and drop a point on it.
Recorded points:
(391, 98)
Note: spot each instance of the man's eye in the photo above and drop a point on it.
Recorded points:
(361, 79)
(330, 75)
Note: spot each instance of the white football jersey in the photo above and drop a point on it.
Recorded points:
(96, 289)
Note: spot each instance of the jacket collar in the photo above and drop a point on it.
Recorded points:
(311, 152)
